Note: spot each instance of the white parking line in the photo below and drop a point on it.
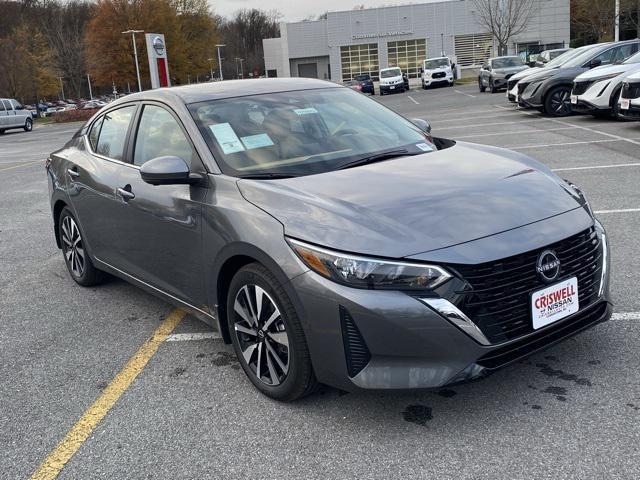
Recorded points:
(413, 100)
(482, 125)
(620, 210)
(466, 94)
(626, 316)
(593, 167)
(608, 140)
(478, 135)
(588, 129)
(458, 119)
(189, 337)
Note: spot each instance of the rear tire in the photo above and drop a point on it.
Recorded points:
(75, 253)
(268, 338)
(557, 102)
(28, 125)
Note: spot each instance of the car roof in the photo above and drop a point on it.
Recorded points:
(389, 68)
(227, 89)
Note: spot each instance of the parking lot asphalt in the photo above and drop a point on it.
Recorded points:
(572, 411)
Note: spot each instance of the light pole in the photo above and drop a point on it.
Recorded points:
(241, 73)
(442, 44)
(617, 23)
(219, 46)
(211, 67)
(135, 53)
(89, 82)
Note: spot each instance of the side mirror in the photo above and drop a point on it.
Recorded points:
(168, 171)
(596, 62)
(19, 107)
(422, 125)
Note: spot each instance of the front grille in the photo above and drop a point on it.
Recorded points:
(513, 351)
(439, 75)
(497, 297)
(630, 90)
(355, 349)
(580, 88)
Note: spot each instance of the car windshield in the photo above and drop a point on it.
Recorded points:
(362, 78)
(633, 59)
(564, 57)
(436, 63)
(585, 56)
(506, 62)
(302, 132)
(393, 72)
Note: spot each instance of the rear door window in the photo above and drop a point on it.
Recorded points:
(113, 133)
(94, 132)
(7, 105)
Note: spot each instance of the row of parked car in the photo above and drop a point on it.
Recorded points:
(50, 108)
(601, 79)
(434, 71)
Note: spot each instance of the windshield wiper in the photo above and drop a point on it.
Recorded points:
(265, 176)
(379, 157)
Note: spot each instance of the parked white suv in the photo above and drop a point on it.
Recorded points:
(629, 103)
(391, 80)
(436, 71)
(14, 115)
(597, 91)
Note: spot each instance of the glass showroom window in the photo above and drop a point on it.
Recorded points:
(357, 59)
(408, 55)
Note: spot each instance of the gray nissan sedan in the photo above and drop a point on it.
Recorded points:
(329, 239)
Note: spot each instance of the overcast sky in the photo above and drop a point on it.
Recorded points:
(295, 9)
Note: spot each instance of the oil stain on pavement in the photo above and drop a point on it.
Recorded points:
(418, 414)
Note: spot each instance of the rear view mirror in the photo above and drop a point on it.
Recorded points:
(422, 125)
(168, 171)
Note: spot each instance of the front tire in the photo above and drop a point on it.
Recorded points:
(267, 335)
(481, 87)
(76, 257)
(28, 125)
(557, 103)
(493, 87)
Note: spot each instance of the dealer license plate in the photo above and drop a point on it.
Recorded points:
(574, 99)
(392, 87)
(625, 103)
(554, 303)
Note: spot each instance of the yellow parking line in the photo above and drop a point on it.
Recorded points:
(80, 432)
(21, 165)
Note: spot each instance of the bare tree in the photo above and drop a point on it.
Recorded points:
(504, 19)
(592, 20)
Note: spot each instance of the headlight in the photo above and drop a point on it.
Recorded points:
(370, 273)
(577, 192)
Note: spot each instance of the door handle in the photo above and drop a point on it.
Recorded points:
(73, 172)
(126, 193)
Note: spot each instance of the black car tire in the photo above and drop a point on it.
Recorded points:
(299, 380)
(615, 106)
(28, 125)
(494, 89)
(1, 131)
(88, 275)
(560, 94)
(481, 86)
(424, 87)
(452, 83)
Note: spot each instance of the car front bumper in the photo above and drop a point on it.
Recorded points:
(381, 339)
(428, 82)
(398, 87)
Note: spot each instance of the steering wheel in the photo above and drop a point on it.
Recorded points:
(345, 131)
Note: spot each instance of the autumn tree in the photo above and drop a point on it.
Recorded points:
(242, 34)
(188, 27)
(27, 64)
(504, 19)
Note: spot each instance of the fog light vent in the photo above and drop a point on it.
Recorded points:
(355, 349)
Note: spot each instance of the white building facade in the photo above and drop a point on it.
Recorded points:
(363, 41)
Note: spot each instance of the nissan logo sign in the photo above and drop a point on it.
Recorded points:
(548, 265)
(158, 45)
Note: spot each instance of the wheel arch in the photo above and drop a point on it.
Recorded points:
(58, 206)
(228, 263)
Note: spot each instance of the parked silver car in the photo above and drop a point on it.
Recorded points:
(14, 115)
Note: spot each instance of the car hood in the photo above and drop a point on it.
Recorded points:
(607, 70)
(567, 73)
(436, 70)
(508, 70)
(415, 204)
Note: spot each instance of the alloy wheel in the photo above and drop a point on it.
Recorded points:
(262, 335)
(560, 101)
(73, 246)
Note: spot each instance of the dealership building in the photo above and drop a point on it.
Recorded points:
(362, 41)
